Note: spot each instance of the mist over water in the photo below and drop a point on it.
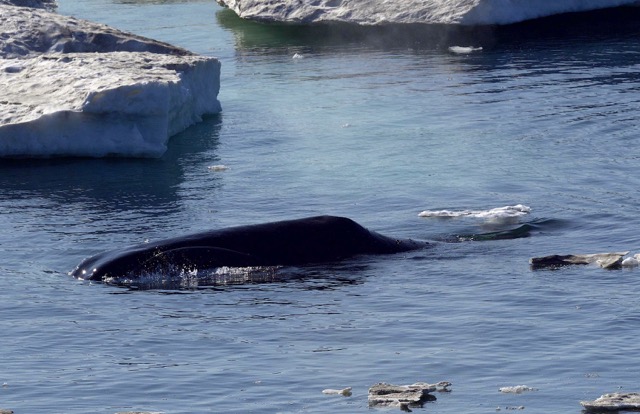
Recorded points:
(377, 125)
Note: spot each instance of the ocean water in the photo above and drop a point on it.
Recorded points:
(377, 125)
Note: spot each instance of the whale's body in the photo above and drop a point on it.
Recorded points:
(309, 240)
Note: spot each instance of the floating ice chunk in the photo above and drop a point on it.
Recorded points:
(501, 215)
(28, 32)
(121, 103)
(517, 389)
(464, 50)
(604, 260)
(125, 100)
(374, 12)
(404, 396)
(345, 391)
(614, 402)
(298, 56)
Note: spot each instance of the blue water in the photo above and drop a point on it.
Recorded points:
(376, 126)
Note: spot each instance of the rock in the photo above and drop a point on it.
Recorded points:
(614, 402)
(604, 260)
(404, 396)
(375, 12)
(76, 88)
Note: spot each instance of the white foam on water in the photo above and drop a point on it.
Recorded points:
(172, 277)
(502, 215)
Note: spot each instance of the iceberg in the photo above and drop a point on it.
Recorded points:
(71, 87)
(379, 12)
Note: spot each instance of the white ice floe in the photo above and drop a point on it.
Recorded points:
(77, 88)
(119, 103)
(517, 389)
(404, 396)
(30, 31)
(464, 50)
(610, 260)
(614, 402)
(375, 12)
(346, 392)
(506, 214)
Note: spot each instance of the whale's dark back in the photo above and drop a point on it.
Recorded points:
(283, 243)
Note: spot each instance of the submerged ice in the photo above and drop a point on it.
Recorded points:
(374, 12)
(76, 88)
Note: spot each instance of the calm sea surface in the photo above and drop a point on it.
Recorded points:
(376, 125)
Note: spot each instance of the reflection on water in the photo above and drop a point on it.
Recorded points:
(256, 36)
(110, 183)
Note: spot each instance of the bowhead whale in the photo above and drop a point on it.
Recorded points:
(303, 241)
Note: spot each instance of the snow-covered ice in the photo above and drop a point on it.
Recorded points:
(614, 402)
(84, 104)
(375, 12)
(127, 99)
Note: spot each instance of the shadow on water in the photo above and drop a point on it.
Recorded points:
(111, 183)
(587, 26)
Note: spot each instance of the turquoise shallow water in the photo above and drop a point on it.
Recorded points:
(376, 126)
